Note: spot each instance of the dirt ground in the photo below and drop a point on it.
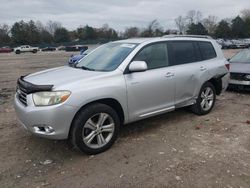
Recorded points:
(178, 149)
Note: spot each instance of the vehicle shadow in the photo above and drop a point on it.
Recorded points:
(63, 148)
(152, 123)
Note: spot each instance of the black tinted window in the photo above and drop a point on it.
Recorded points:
(207, 50)
(154, 55)
(183, 52)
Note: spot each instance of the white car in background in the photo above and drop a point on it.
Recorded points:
(25, 48)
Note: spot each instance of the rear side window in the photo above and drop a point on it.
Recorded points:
(207, 50)
(182, 52)
(155, 55)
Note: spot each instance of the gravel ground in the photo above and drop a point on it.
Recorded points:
(178, 149)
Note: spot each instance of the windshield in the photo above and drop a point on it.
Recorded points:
(107, 57)
(241, 57)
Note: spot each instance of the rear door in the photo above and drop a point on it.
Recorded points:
(186, 59)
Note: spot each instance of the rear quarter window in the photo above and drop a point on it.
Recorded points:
(207, 50)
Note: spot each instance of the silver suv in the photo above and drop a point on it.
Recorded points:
(118, 83)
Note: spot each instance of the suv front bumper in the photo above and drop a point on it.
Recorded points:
(51, 122)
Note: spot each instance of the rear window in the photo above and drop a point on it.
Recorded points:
(182, 52)
(207, 50)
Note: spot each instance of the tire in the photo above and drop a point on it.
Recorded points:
(17, 51)
(88, 133)
(34, 51)
(201, 107)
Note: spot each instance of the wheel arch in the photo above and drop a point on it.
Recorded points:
(113, 103)
(217, 83)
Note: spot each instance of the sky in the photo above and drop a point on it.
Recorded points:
(118, 14)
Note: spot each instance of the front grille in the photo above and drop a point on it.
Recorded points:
(22, 95)
(237, 76)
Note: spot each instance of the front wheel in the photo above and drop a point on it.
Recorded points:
(95, 129)
(205, 101)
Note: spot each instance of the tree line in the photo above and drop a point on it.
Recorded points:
(193, 23)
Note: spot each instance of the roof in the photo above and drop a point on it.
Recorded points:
(167, 37)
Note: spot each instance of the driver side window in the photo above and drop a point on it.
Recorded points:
(154, 55)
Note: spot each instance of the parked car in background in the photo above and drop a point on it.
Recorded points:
(75, 48)
(25, 48)
(118, 83)
(61, 48)
(234, 43)
(48, 49)
(75, 58)
(5, 49)
(240, 44)
(240, 70)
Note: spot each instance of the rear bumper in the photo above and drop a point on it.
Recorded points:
(57, 117)
(239, 82)
(225, 81)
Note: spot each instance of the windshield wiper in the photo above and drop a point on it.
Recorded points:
(85, 68)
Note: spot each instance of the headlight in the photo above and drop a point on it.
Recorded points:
(247, 77)
(50, 97)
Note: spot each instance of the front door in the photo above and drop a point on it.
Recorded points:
(151, 92)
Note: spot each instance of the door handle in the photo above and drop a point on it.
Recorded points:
(203, 68)
(169, 74)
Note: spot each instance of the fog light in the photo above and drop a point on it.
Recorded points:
(48, 129)
(43, 129)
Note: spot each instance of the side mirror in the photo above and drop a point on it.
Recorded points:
(138, 66)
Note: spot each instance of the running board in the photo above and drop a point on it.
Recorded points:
(158, 111)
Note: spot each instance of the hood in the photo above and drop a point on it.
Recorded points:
(240, 67)
(61, 75)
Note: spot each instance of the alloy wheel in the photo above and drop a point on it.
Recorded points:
(98, 130)
(207, 98)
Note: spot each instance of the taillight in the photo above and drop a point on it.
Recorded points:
(228, 66)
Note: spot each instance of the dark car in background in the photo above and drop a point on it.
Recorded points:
(240, 70)
(75, 48)
(5, 49)
(48, 49)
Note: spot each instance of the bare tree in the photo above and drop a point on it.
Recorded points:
(40, 26)
(4, 34)
(52, 26)
(194, 16)
(181, 24)
(131, 32)
(191, 16)
(154, 25)
(154, 29)
(198, 16)
(210, 24)
(245, 13)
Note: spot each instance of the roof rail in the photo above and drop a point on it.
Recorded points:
(193, 36)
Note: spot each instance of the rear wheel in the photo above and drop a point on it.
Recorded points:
(34, 51)
(95, 129)
(205, 101)
(17, 51)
